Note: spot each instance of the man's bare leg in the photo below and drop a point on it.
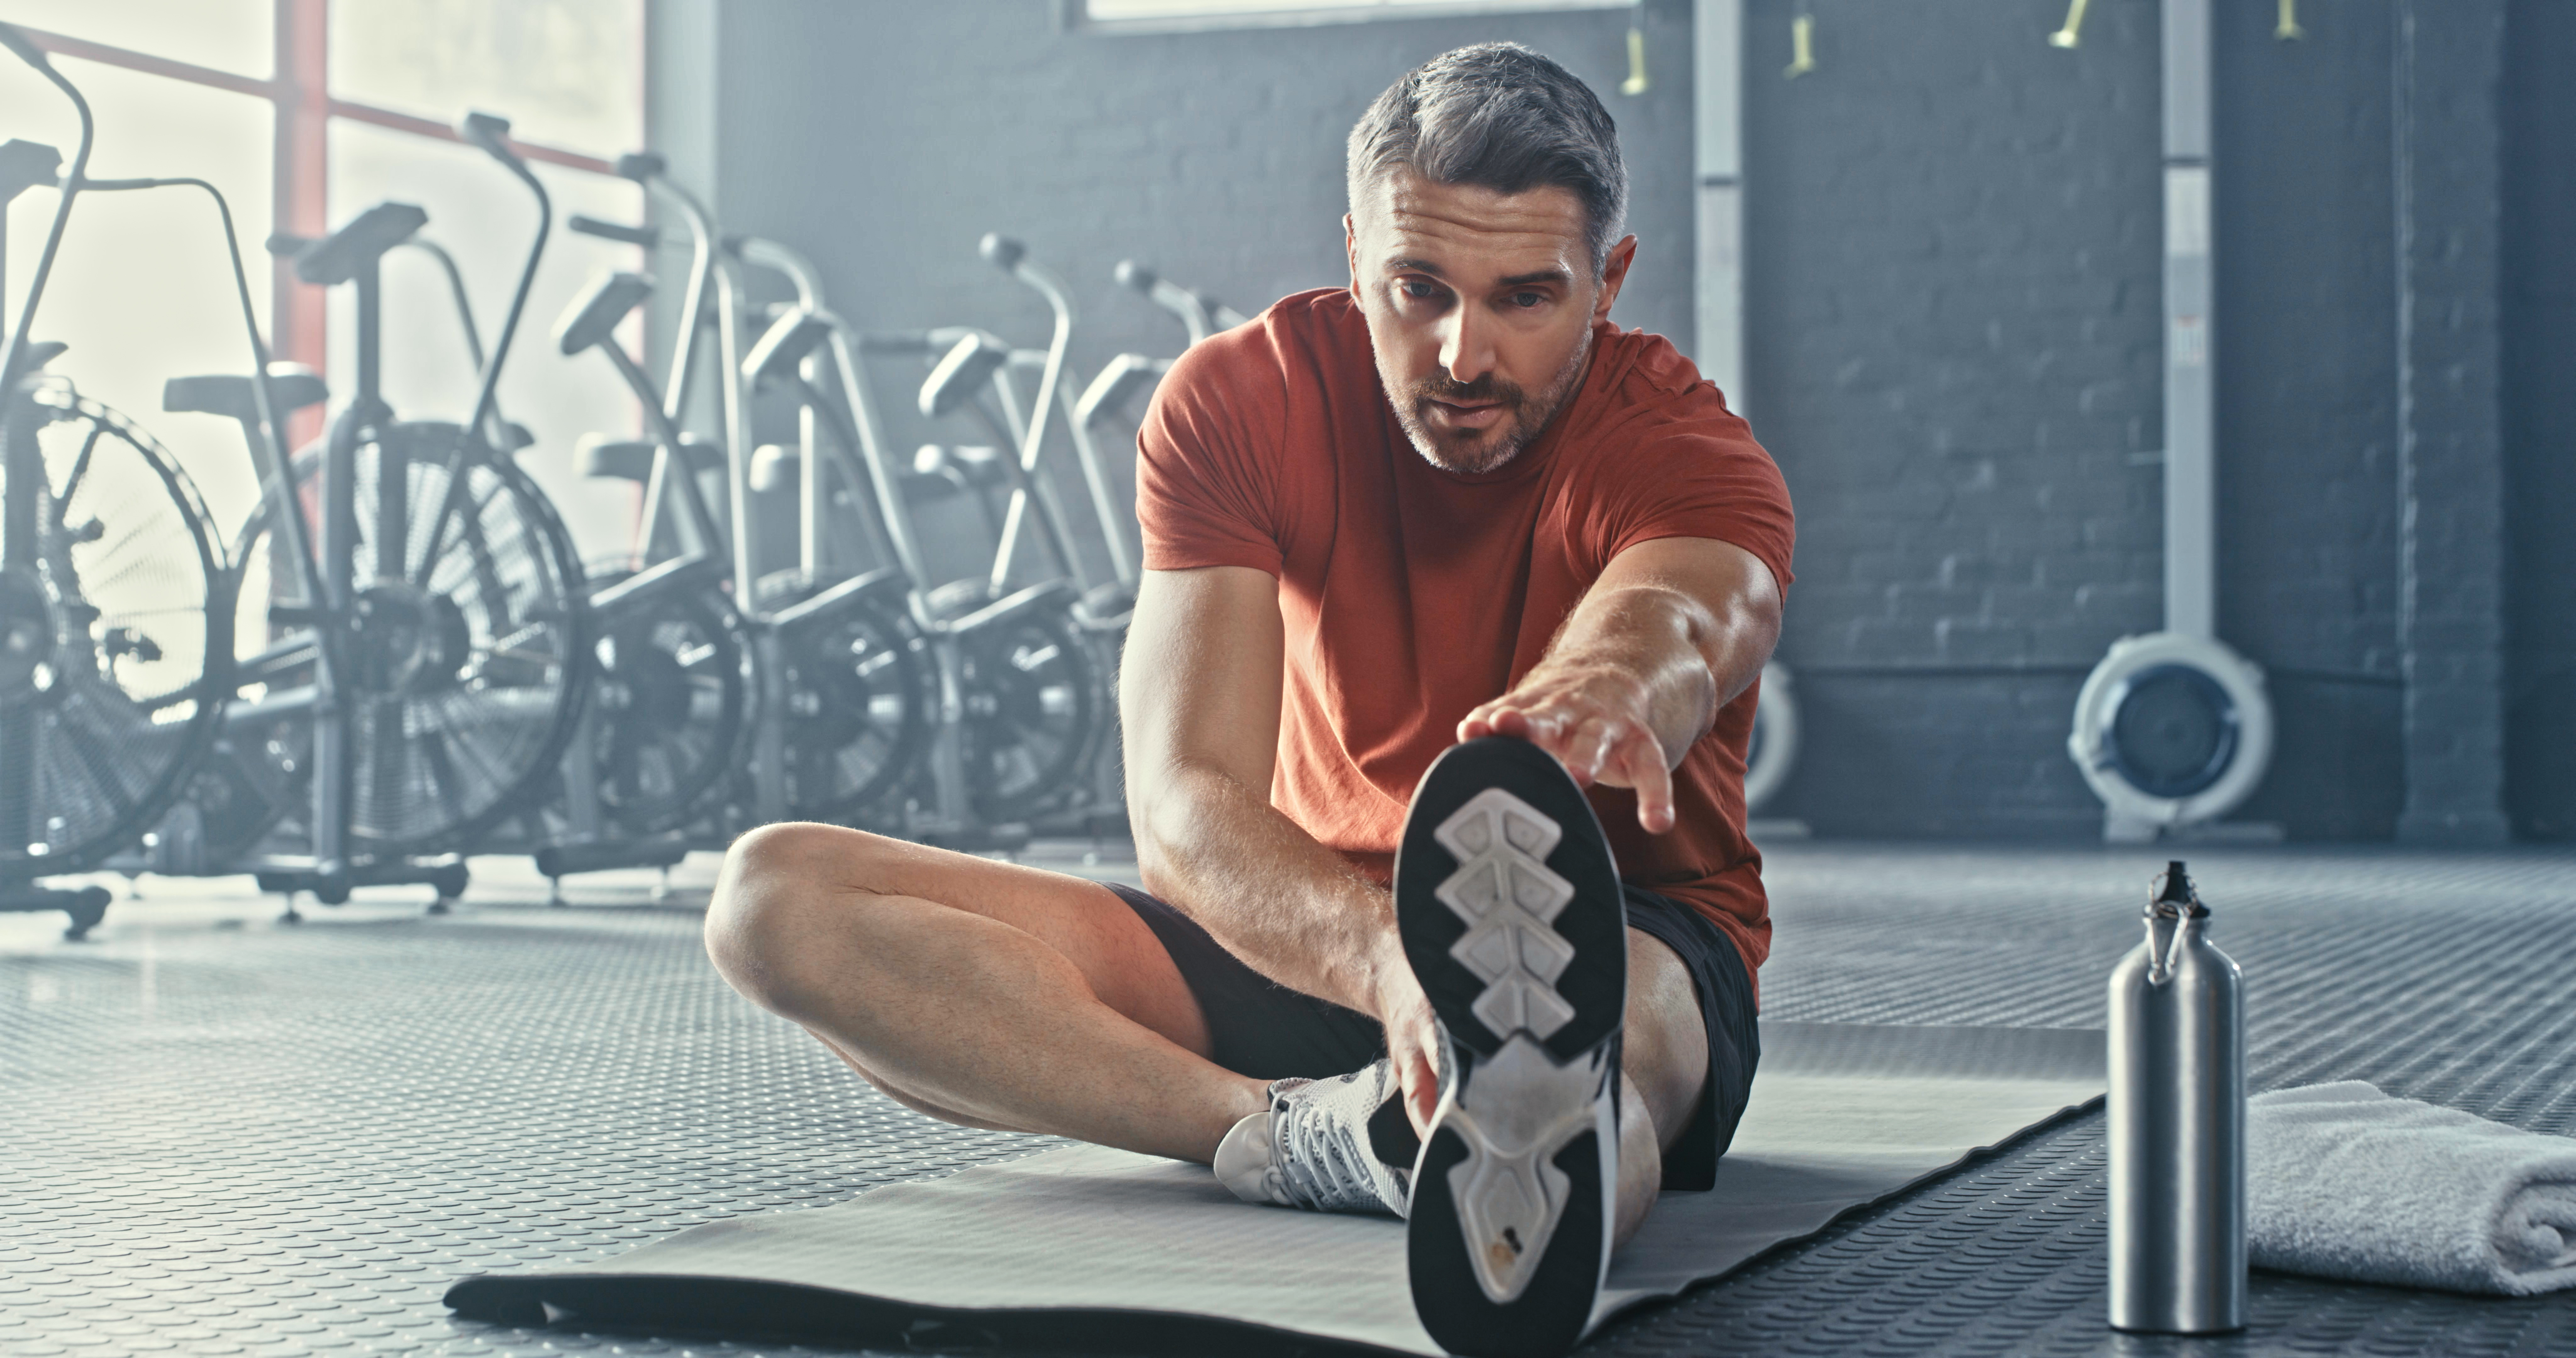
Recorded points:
(1663, 1066)
(993, 995)
(981, 992)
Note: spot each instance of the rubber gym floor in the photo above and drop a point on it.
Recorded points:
(228, 1135)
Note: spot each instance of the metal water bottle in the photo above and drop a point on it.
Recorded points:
(2177, 1113)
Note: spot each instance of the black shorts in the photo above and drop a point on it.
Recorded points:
(1269, 1032)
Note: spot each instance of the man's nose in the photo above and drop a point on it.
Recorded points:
(1466, 346)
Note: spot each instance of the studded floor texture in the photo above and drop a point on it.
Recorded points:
(224, 1135)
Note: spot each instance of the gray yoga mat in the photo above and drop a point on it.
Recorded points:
(1841, 1116)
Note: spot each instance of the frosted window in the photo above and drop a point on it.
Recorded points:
(567, 73)
(143, 291)
(239, 36)
(486, 218)
(1214, 13)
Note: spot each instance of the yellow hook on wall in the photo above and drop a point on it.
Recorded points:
(2288, 29)
(2073, 33)
(1636, 82)
(1802, 46)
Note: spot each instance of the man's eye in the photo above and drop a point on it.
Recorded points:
(1415, 287)
(1526, 300)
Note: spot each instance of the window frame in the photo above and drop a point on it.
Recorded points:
(1076, 14)
(298, 91)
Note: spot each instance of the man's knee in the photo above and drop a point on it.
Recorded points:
(782, 887)
(1667, 1039)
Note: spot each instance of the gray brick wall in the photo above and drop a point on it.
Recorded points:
(2539, 391)
(885, 139)
(1955, 236)
(2450, 464)
(1954, 258)
(2307, 407)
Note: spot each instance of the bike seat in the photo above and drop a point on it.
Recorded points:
(632, 459)
(42, 352)
(291, 385)
(1117, 384)
(785, 344)
(773, 468)
(342, 255)
(26, 164)
(981, 466)
(967, 366)
(1104, 608)
(594, 315)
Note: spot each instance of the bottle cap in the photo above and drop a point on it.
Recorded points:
(2178, 898)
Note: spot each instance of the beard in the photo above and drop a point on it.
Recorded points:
(1470, 452)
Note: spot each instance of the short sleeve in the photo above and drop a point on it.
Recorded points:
(1207, 490)
(1694, 471)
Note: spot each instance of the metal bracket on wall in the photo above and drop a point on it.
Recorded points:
(2072, 34)
(2287, 29)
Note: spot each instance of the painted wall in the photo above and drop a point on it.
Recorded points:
(885, 140)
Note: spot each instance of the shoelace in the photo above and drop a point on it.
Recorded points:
(1321, 1152)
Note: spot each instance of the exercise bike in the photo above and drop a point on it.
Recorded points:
(432, 652)
(114, 603)
(1017, 703)
(840, 691)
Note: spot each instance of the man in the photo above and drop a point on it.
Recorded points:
(1448, 503)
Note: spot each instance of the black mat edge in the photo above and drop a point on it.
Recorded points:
(736, 1308)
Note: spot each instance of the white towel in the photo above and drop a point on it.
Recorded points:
(2344, 1181)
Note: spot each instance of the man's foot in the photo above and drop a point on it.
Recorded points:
(1334, 1145)
(1510, 908)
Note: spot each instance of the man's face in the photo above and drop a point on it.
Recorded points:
(1480, 308)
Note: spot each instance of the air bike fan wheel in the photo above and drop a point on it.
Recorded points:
(2170, 730)
(860, 690)
(675, 691)
(115, 632)
(1032, 712)
(1772, 750)
(464, 671)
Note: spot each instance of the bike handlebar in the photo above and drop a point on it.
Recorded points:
(649, 237)
(25, 48)
(641, 165)
(490, 132)
(1003, 251)
(1195, 311)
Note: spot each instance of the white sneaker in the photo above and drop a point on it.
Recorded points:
(1314, 1148)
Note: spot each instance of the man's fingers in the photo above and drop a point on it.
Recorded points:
(1421, 1086)
(1494, 719)
(1644, 757)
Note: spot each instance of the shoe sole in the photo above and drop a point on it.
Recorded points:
(1509, 905)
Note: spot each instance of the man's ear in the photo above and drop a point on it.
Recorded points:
(1351, 252)
(1614, 274)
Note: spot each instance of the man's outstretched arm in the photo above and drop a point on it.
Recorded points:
(1673, 630)
(1199, 698)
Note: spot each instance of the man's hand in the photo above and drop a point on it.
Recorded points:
(1674, 628)
(1594, 717)
(1412, 1035)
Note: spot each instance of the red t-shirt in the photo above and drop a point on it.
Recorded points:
(1412, 594)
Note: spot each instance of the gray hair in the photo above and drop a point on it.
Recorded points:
(1498, 116)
